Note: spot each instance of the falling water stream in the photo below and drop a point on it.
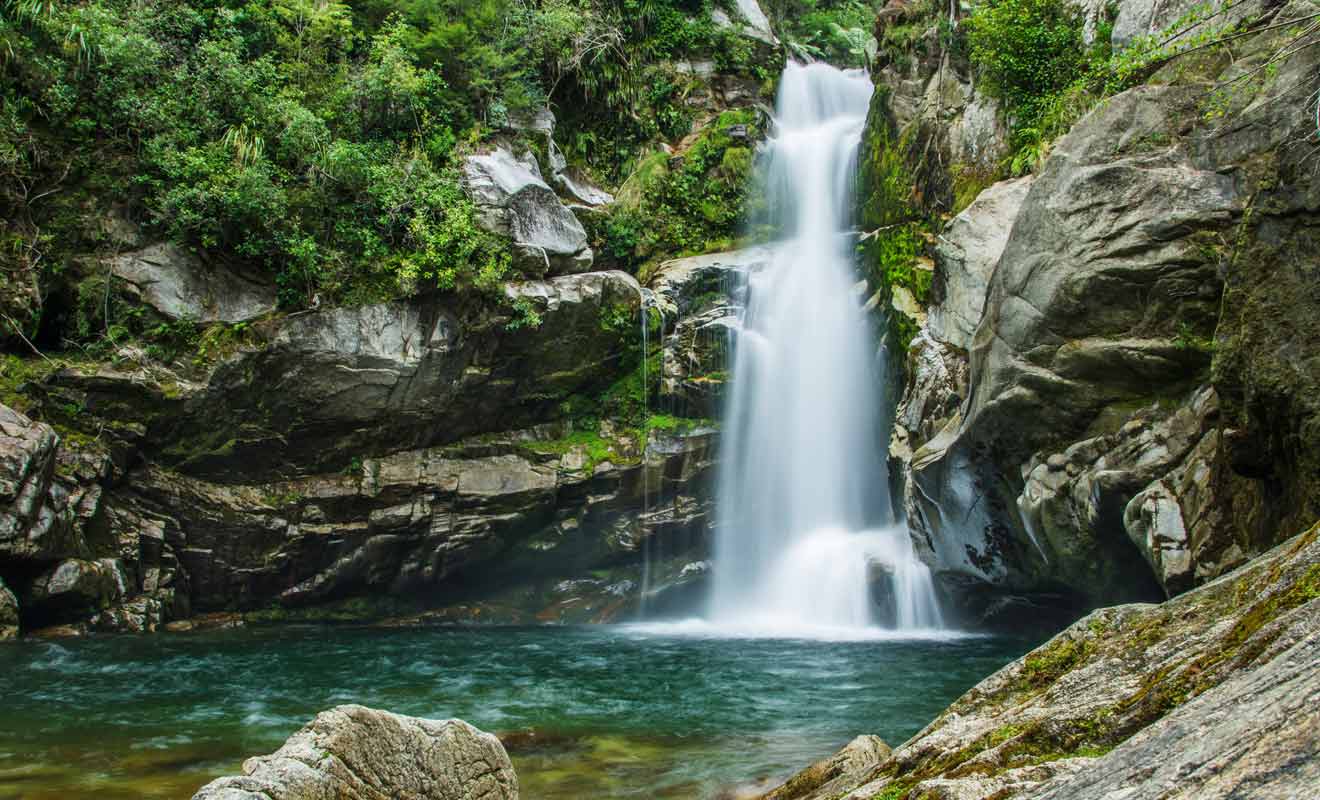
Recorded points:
(805, 526)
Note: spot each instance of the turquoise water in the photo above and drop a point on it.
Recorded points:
(592, 712)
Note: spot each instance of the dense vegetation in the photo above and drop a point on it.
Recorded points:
(318, 140)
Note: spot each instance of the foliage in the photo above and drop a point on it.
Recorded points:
(1028, 51)
(837, 31)
(321, 140)
(1031, 56)
(691, 203)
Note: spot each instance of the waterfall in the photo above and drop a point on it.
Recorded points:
(805, 536)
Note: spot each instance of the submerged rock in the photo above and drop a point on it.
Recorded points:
(1213, 694)
(356, 753)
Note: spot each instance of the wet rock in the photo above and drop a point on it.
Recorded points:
(700, 299)
(515, 201)
(837, 773)
(356, 753)
(8, 613)
(181, 286)
(1140, 701)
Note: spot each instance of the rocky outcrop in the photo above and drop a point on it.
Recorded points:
(1094, 447)
(181, 286)
(1211, 694)
(517, 513)
(70, 553)
(515, 201)
(356, 753)
(376, 462)
(318, 389)
(699, 301)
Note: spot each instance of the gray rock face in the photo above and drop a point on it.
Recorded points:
(33, 523)
(356, 753)
(967, 253)
(515, 201)
(180, 286)
(1212, 694)
(326, 386)
(523, 510)
(1058, 344)
(1256, 735)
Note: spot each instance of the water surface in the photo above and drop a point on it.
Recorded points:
(599, 712)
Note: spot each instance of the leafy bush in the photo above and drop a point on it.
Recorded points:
(1028, 51)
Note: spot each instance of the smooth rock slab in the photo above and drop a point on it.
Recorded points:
(356, 753)
(180, 285)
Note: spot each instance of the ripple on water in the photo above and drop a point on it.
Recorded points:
(637, 711)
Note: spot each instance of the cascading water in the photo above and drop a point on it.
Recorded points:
(805, 525)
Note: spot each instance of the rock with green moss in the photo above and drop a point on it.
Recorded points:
(515, 201)
(1209, 695)
(699, 301)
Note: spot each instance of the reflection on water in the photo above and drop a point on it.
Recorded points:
(585, 712)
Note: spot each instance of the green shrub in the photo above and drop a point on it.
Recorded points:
(1027, 51)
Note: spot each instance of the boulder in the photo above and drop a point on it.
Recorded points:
(751, 20)
(356, 753)
(74, 588)
(515, 201)
(835, 774)
(181, 286)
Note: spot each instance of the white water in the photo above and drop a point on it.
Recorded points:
(805, 524)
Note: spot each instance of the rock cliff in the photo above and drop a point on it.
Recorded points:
(1107, 398)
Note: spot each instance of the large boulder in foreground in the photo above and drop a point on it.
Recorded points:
(1213, 694)
(356, 753)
